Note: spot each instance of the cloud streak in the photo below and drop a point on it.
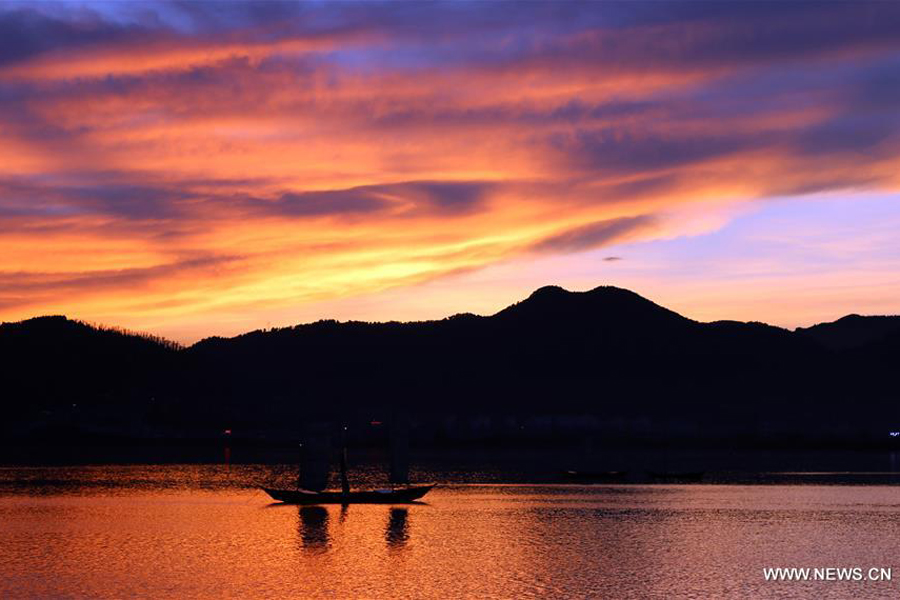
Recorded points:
(594, 235)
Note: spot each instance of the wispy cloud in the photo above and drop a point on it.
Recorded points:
(594, 235)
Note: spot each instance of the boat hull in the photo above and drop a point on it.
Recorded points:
(396, 496)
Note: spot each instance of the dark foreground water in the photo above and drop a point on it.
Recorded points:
(200, 532)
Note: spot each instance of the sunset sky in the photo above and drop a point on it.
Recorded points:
(192, 168)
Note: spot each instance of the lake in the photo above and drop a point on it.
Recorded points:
(193, 531)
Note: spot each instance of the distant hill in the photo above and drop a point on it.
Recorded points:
(55, 368)
(852, 331)
(606, 361)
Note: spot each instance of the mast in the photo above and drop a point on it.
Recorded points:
(345, 484)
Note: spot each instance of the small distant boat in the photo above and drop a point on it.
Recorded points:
(675, 477)
(315, 469)
(595, 476)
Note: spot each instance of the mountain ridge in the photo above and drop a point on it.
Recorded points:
(608, 354)
(816, 331)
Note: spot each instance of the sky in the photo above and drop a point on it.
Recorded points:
(196, 168)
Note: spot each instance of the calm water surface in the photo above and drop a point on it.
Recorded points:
(200, 532)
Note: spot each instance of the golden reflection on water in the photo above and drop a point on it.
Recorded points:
(704, 541)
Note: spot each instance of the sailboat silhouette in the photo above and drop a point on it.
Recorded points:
(315, 467)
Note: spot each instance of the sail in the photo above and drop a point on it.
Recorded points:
(399, 449)
(315, 460)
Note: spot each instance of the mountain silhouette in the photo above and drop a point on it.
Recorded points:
(852, 331)
(605, 360)
(50, 362)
